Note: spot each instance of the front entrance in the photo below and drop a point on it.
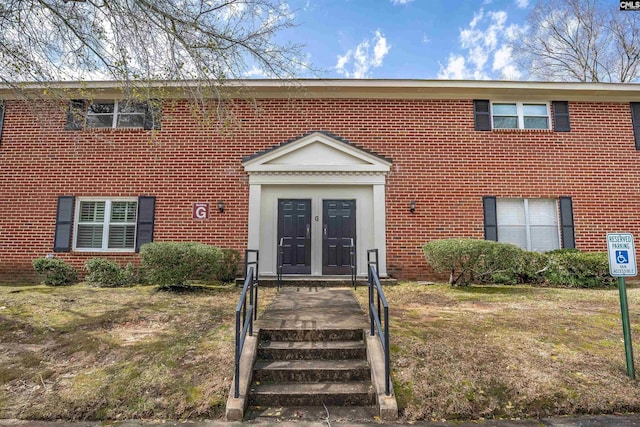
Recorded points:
(294, 234)
(339, 231)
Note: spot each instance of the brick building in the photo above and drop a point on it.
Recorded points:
(391, 164)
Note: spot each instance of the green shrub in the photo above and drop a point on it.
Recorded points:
(532, 267)
(479, 261)
(228, 265)
(105, 273)
(57, 272)
(174, 263)
(577, 269)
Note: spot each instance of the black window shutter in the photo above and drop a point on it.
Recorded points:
(153, 115)
(490, 218)
(566, 222)
(482, 114)
(146, 218)
(561, 116)
(75, 115)
(64, 224)
(635, 119)
(2, 107)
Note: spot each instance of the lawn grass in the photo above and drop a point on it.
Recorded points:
(509, 351)
(83, 353)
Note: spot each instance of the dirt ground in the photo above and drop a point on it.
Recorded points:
(509, 351)
(79, 353)
(83, 353)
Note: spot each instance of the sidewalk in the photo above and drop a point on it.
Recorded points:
(632, 420)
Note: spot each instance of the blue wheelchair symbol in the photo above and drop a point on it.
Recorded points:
(622, 257)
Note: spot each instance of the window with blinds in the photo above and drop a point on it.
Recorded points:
(520, 115)
(531, 224)
(108, 224)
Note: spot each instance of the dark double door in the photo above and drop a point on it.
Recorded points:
(295, 233)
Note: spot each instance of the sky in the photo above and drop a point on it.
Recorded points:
(413, 39)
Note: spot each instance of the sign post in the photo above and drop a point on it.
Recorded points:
(622, 263)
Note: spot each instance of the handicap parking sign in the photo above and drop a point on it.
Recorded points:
(622, 254)
(622, 257)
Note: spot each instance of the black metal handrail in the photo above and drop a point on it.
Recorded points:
(280, 263)
(256, 272)
(353, 262)
(379, 316)
(374, 262)
(244, 326)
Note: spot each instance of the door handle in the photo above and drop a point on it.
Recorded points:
(308, 231)
(324, 231)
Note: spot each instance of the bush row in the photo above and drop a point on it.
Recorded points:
(164, 264)
(482, 261)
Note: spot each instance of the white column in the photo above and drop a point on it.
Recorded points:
(379, 227)
(255, 194)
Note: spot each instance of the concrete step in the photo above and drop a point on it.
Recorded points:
(308, 350)
(311, 370)
(312, 394)
(310, 334)
(305, 415)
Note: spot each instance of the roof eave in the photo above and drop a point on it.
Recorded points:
(345, 88)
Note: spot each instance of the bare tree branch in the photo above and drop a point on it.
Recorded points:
(580, 40)
(139, 41)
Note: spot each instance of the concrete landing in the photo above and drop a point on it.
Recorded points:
(310, 307)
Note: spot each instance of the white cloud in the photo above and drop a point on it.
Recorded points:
(455, 68)
(233, 10)
(343, 60)
(522, 3)
(397, 2)
(477, 16)
(254, 73)
(485, 49)
(357, 63)
(380, 50)
(501, 58)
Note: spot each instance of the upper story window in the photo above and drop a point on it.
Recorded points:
(105, 224)
(520, 115)
(116, 114)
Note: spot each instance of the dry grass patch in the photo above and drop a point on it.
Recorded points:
(496, 351)
(81, 353)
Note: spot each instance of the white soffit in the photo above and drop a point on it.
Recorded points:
(317, 152)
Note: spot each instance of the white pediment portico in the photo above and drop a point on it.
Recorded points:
(317, 152)
(317, 169)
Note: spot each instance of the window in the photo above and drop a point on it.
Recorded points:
(518, 115)
(116, 114)
(531, 224)
(105, 224)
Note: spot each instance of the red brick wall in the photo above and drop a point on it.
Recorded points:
(438, 160)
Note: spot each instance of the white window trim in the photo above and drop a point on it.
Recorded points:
(116, 114)
(520, 113)
(105, 230)
(527, 220)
